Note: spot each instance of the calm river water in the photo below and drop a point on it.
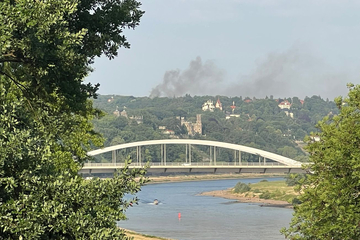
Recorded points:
(203, 217)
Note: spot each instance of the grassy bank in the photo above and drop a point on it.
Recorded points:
(274, 190)
(274, 193)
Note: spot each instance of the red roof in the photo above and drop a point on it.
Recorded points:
(285, 103)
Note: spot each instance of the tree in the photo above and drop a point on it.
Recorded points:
(46, 50)
(329, 197)
(50, 45)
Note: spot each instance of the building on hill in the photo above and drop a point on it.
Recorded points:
(289, 114)
(124, 113)
(168, 132)
(208, 106)
(248, 100)
(116, 112)
(232, 115)
(193, 128)
(218, 105)
(138, 119)
(284, 105)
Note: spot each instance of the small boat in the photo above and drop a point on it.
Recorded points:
(156, 202)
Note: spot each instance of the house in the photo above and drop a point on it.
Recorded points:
(124, 113)
(228, 116)
(138, 119)
(284, 105)
(289, 114)
(169, 132)
(208, 106)
(116, 112)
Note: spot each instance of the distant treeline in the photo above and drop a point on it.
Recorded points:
(262, 124)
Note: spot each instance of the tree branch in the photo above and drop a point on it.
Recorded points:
(18, 60)
(19, 85)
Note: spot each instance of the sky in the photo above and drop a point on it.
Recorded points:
(248, 48)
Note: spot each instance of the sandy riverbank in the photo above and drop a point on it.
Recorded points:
(138, 236)
(200, 177)
(243, 199)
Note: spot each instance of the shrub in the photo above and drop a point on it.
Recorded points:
(241, 188)
(257, 191)
(265, 195)
(264, 180)
(294, 179)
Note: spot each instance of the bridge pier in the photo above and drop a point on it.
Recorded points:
(163, 154)
(189, 153)
(239, 157)
(139, 155)
(210, 157)
(234, 157)
(113, 153)
(214, 155)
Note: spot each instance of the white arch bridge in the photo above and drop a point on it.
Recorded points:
(268, 162)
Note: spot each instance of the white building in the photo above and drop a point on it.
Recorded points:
(284, 105)
(208, 106)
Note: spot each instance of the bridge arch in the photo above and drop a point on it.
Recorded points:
(240, 148)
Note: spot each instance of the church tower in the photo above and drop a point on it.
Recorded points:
(218, 104)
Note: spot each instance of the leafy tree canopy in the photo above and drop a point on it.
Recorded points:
(329, 197)
(46, 49)
(50, 45)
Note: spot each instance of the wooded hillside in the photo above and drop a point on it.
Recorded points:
(258, 123)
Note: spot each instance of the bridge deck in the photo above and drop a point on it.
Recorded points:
(90, 168)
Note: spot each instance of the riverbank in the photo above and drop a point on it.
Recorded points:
(204, 177)
(243, 199)
(267, 193)
(139, 236)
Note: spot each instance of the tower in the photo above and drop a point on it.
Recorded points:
(218, 104)
(233, 107)
(198, 125)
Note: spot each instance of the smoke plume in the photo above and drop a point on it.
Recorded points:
(291, 73)
(198, 79)
(294, 72)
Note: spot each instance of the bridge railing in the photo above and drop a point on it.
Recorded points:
(193, 164)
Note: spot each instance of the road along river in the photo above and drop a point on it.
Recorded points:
(184, 215)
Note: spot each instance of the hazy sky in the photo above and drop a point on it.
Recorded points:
(243, 48)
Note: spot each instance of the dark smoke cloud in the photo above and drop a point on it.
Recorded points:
(198, 79)
(291, 73)
(287, 74)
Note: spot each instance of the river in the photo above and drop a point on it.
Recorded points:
(203, 217)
